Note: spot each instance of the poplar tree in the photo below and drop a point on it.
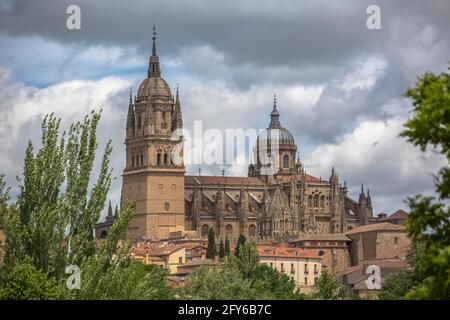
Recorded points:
(211, 251)
(221, 249)
(227, 247)
(240, 242)
(51, 225)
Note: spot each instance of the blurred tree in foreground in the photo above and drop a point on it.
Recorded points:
(429, 220)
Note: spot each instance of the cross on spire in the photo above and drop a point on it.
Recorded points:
(154, 41)
(274, 115)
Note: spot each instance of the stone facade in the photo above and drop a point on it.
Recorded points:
(151, 178)
(303, 266)
(277, 206)
(378, 242)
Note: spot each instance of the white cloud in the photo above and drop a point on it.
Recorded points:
(374, 153)
(22, 109)
(364, 75)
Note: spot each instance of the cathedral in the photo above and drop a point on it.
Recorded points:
(281, 205)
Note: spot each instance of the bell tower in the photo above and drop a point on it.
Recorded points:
(154, 172)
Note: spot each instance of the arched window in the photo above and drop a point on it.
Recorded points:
(252, 231)
(229, 231)
(205, 229)
(142, 159)
(316, 201)
(286, 161)
(166, 159)
(286, 224)
(310, 201)
(158, 159)
(322, 201)
(139, 122)
(132, 161)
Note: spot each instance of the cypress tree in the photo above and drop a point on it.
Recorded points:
(227, 247)
(241, 241)
(211, 252)
(221, 250)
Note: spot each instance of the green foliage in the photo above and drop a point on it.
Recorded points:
(51, 226)
(247, 260)
(271, 284)
(4, 198)
(222, 282)
(429, 220)
(240, 277)
(227, 247)
(328, 288)
(240, 242)
(211, 251)
(24, 282)
(397, 285)
(221, 250)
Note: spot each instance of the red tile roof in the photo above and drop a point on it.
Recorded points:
(155, 251)
(398, 215)
(221, 180)
(383, 226)
(286, 252)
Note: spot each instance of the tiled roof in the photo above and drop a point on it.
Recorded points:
(285, 252)
(155, 251)
(398, 215)
(384, 226)
(199, 262)
(221, 180)
(191, 245)
(322, 237)
(309, 178)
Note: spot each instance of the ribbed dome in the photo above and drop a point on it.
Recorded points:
(154, 87)
(276, 135)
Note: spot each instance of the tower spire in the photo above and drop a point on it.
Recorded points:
(274, 115)
(153, 65)
(154, 41)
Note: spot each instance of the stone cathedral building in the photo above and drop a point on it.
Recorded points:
(265, 207)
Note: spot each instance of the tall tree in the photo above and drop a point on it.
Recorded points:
(211, 251)
(328, 288)
(221, 249)
(248, 258)
(240, 242)
(429, 219)
(51, 225)
(227, 247)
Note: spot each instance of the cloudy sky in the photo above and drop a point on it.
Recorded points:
(339, 84)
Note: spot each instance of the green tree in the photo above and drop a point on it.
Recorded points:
(51, 225)
(227, 247)
(24, 282)
(240, 242)
(397, 285)
(222, 282)
(221, 249)
(328, 288)
(247, 260)
(429, 219)
(4, 198)
(211, 251)
(271, 284)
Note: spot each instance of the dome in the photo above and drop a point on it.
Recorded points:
(278, 135)
(275, 132)
(154, 87)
